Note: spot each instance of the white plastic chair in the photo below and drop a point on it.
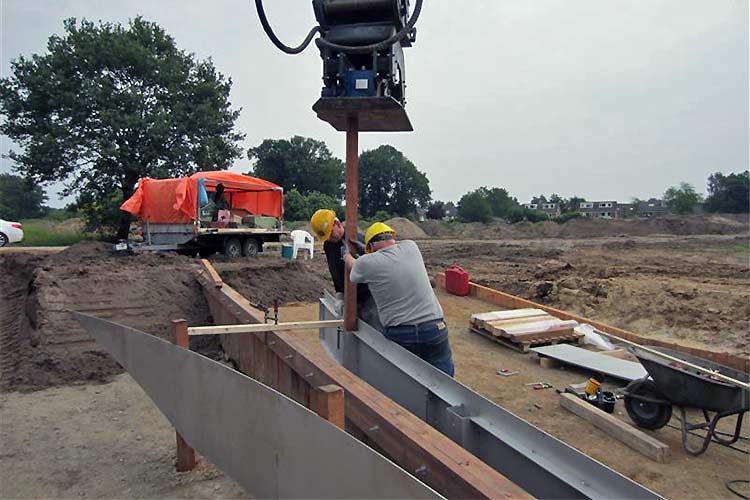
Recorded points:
(301, 240)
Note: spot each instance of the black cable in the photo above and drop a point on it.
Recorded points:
(729, 484)
(366, 49)
(269, 31)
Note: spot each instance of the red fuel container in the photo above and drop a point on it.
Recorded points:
(457, 281)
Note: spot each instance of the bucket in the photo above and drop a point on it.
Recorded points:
(287, 250)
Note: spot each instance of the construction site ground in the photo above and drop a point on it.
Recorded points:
(71, 425)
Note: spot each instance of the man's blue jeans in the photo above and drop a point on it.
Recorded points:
(427, 340)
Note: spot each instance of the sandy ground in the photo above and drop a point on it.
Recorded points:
(96, 441)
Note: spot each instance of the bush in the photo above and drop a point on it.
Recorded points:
(562, 219)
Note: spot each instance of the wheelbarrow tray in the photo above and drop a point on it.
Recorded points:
(683, 386)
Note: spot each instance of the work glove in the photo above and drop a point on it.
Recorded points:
(359, 247)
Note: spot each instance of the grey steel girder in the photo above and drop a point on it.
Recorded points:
(272, 446)
(536, 461)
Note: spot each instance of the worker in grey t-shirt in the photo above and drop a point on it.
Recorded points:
(408, 309)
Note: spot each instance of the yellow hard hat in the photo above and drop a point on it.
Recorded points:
(322, 223)
(375, 230)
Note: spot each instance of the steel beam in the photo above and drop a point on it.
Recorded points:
(538, 462)
(272, 446)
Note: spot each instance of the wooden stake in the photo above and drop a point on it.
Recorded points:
(185, 454)
(352, 203)
(329, 404)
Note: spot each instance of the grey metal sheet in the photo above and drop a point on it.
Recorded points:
(272, 446)
(536, 461)
(618, 368)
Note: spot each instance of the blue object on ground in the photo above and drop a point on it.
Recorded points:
(287, 250)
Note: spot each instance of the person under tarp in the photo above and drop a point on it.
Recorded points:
(177, 201)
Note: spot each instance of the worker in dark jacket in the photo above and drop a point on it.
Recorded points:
(330, 230)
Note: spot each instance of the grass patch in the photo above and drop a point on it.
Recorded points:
(43, 233)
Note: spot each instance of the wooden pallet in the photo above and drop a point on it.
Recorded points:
(526, 345)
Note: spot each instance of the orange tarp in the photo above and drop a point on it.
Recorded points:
(174, 201)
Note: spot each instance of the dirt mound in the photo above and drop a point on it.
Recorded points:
(267, 278)
(406, 229)
(49, 347)
(583, 227)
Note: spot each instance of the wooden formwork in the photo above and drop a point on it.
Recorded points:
(287, 363)
(509, 301)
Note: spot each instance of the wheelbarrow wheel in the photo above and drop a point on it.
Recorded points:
(647, 414)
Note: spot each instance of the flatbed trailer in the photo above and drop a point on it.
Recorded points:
(191, 238)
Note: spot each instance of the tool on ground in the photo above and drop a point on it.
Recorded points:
(539, 385)
(507, 373)
(361, 45)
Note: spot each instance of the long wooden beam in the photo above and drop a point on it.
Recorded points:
(509, 301)
(264, 327)
(291, 365)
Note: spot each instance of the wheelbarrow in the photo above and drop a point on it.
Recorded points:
(698, 383)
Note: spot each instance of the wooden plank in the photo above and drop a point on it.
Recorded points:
(500, 323)
(503, 299)
(403, 437)
(263, 327)
(481, 318)
(212, 273)
(185, 454)
(328, 402)
(641, 442)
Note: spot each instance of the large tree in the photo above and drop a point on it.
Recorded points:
(474, 207)
(389, 182)
(299, 163)
(108, 104)
(729, 193)
(20, 198)
(682, 199)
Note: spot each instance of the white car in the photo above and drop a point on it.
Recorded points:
(10, 232)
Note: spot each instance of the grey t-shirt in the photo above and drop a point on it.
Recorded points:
(399, 284)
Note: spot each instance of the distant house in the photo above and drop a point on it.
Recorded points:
(551, 209)
(451, 211)
(600, 209)
(653, 207)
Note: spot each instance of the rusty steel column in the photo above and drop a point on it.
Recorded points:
(352, 203)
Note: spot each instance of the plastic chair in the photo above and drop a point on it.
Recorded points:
(301, 240)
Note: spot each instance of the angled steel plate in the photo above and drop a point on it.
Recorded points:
(272, 446)
(589, 360)
(536, 461)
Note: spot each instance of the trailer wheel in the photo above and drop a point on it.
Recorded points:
(250, 247)
(647, 414)
(232, 248)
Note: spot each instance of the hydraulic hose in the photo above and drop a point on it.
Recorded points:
(321, 42)
(269, 31)
(365, 49)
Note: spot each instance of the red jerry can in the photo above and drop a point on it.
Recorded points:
(457, 281)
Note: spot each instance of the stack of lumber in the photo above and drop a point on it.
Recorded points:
(522, 328)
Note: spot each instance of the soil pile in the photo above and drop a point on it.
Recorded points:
(592, 228)
(50, 348)
(41, 345)
(406, 229)
(268, 278)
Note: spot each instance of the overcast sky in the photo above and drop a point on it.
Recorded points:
(604, 99)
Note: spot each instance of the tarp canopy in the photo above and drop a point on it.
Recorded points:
(175, 201)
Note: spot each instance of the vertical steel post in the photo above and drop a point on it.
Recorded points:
(185, 454)
(352, 203)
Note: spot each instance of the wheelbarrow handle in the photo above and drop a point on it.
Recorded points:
(717, 375)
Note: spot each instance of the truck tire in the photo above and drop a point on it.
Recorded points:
(250, 247)
(232, 248)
